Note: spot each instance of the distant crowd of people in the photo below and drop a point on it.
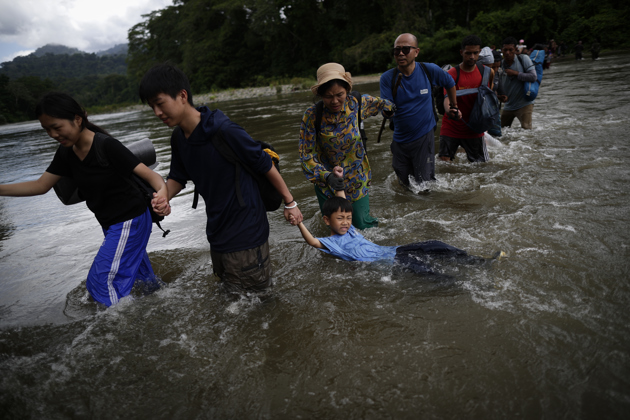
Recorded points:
(332, 151)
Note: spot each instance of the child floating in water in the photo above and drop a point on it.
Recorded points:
(347, 243)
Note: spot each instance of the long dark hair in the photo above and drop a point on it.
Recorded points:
(62, 105)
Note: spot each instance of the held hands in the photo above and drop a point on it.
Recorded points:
(293, 215)
(511, 72)
(160, 205)
(502, 98)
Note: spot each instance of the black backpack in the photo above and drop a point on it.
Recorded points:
(270, 196)
(67, 191)
(319, 109)
(138, 183)
(486, 108)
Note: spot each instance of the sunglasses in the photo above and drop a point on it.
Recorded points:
(405, 50)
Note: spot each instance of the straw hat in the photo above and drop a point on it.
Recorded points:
(331, 71)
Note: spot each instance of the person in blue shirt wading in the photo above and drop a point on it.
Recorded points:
(347, 243)
(409, 86)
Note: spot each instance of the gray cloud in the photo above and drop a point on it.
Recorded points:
(34, 23)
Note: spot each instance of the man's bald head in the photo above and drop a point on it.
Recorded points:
(406, 39)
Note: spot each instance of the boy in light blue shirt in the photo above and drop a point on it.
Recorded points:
(347, 243)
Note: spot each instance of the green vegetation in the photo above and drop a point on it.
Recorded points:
(94, 80)
(238, 43)
(242, 43)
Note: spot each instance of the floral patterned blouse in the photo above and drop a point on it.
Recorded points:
(340, 144)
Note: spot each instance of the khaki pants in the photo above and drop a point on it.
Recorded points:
(244, 271)
(524, 115)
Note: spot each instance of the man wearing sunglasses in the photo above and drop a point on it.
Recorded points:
(409, 86)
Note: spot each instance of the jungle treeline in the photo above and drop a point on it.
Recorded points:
(240, 43)
(235, 43)
(94, 80)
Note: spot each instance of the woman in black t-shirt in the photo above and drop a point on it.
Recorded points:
(103, 180)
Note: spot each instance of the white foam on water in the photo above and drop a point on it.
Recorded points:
(567, 228)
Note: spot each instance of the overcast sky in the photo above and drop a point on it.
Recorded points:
(89, 25)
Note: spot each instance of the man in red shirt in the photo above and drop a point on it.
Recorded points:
(455, 133)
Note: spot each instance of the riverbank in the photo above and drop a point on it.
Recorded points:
(247, 93)
(254, 92)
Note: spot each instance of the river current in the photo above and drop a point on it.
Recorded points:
(541, 333)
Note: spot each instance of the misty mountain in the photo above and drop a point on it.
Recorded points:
(118, 49)
(55, 49)
(58, 63)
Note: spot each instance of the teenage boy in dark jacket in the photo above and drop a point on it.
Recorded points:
(238, 232)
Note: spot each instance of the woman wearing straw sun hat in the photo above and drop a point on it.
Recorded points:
(338, 142)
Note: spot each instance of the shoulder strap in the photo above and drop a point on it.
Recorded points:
(222, 146)
(359, 99)
(99, 149)
(357, 96)
(426, 72)
(521, 61)
(457, 78)
(485, 74)
(396, 81)
(228, 154)
(319, 110)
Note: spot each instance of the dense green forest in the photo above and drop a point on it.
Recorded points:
(60, 67)
(233, 43)
(94, 80)
(239, 43)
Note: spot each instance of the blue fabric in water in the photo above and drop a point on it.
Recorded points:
(416, 257)
(121, 259)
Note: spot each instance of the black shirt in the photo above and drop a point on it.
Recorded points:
(107, 190)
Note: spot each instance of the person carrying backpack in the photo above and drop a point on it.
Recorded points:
(456, 132)
(109, 193)
(517, 71)
(237, 227)
(338, 141)
(409, 86)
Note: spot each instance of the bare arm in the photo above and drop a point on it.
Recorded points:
(309, 238)
(278, 183)
(152, 178)
(30, 188)
(451, 98)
